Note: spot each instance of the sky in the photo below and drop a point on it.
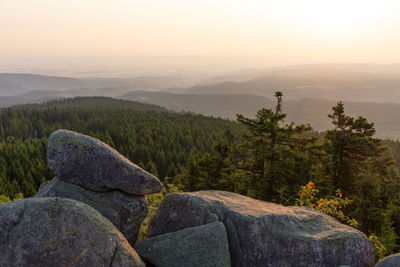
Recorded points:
(278, 32)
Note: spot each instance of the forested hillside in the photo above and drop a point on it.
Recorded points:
(159, 141)
(92, 102)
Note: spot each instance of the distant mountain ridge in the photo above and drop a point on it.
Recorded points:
(300, 70)
(351, 86)
(16, 83)
(349, 82)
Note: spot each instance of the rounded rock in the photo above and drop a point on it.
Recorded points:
(92, 164)
(205, 245)
(60, 232)
(390, 261)
(266, 234)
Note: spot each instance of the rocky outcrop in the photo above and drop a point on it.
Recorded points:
(205, 245)
(60, 232)
(390, 261)
(266, 234)
(92, 164)
(125, 211)
(92, 172)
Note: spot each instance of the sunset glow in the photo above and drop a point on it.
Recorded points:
(286, 30)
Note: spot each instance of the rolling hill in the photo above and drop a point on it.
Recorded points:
(93, 102)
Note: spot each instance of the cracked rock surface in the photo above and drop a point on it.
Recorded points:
(266, 234)
(60, 232)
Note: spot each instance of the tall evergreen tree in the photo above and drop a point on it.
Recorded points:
(272, 153)
(350, 144)
(358, 167)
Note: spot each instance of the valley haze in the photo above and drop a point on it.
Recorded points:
(369, 90)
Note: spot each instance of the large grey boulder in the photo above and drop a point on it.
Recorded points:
(390, 261)
(92, 164)
(125, 211)
(60, 232)
(266, 234)
(205, 245)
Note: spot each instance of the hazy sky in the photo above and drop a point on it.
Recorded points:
(279, 31)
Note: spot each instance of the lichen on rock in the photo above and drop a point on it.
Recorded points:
(60, 232)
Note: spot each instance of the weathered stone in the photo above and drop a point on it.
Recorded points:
(125, 211)
(60, 232)
(205, 245)
(266, 234)
(92, 164)
(390, 261)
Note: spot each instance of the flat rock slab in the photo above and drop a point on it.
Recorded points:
(266, 234)
(92, 164)
(205, 245)
(390, 261)
(60, 232)
(125, 211)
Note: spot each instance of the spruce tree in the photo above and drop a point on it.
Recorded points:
(350, 144)
(272, 153)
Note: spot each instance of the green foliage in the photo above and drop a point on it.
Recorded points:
(5, 199)
(357, 163)
(154, 202)
(275, 156)
(22, 166)
(215, 170)
(350, 144)
(332, 206)
(379, 248)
